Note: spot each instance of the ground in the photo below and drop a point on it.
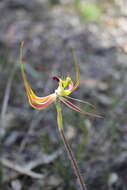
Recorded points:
(32, 154)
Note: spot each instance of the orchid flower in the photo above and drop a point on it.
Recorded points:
(65, 88)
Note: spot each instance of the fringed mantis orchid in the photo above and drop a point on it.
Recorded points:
(65, 88)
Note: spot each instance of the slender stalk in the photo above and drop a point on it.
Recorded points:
(68, 147)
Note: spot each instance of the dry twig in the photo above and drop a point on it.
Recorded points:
(6, 98)
(27, 168)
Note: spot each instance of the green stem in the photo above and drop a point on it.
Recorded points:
(68, 147)
(59, 115)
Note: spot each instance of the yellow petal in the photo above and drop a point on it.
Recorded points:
(35, 101)
(74, 86)
(77, 78)
(40, 105)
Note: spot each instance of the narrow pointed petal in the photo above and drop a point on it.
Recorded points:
(84, 102)
(35, 101)
(72, 85)
(76, 108)
(77, 77)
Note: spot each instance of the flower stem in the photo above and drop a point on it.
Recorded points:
(68, 147)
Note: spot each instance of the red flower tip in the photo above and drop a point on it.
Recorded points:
(56, 78)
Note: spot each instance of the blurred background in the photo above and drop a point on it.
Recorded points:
(32, 155)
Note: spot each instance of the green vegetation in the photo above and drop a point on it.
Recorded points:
(88, 11)
(46, 143)
(53, 2)
(64, 172)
